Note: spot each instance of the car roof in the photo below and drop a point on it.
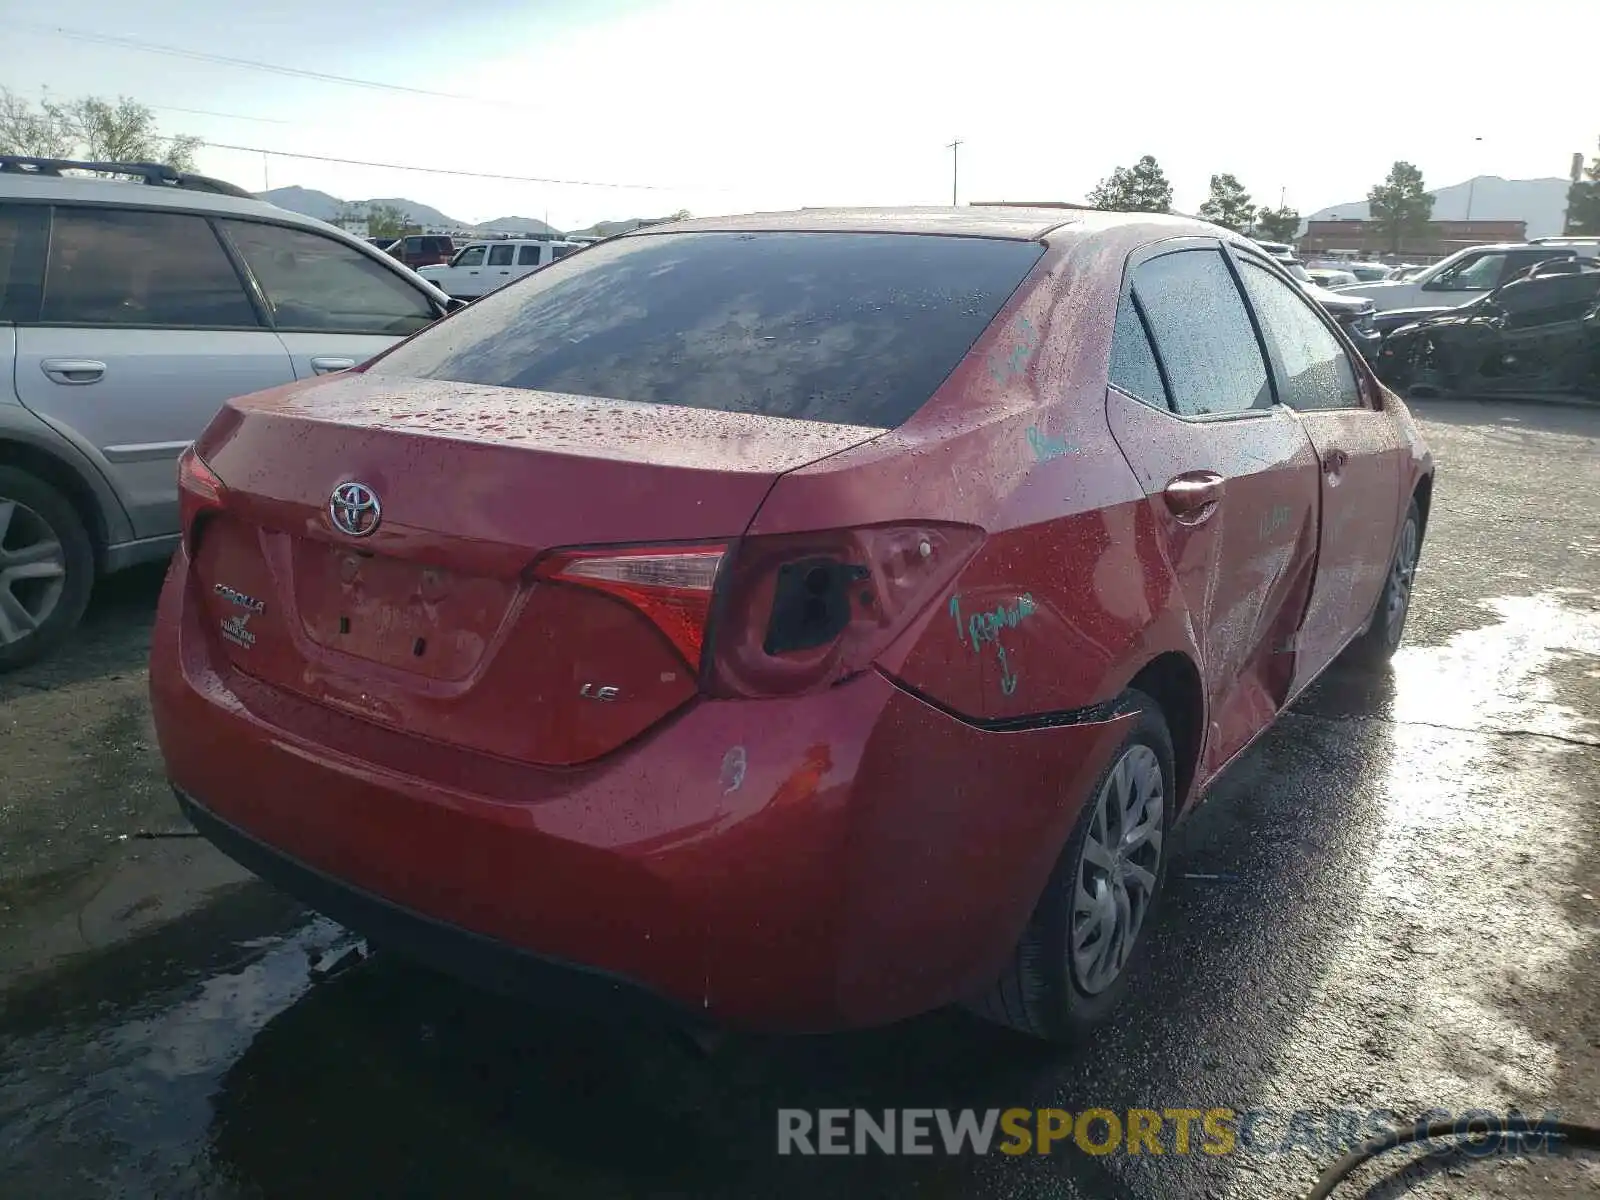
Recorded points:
(1013, 224)
(136, 194)
(67, 189)
(1554, 248)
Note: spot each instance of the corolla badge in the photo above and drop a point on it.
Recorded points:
(354, 508)
(234, 596)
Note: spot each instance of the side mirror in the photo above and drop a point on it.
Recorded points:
(451, 304)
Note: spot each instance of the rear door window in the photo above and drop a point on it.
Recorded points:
(1519, 261)
(1547, 299)
(129, 267)
(853, 328)
(527, 256)
(1202, 333)
(500, 256)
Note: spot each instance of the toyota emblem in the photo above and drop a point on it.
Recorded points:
(354, 509)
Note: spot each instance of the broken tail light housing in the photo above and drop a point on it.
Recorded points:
(781, 614)
(798, 612)
(200, 491)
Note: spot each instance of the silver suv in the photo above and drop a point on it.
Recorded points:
(129, 312)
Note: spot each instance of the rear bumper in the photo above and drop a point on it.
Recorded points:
(841, 859)
(485, 962)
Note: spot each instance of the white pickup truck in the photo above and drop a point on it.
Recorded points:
(480, 267)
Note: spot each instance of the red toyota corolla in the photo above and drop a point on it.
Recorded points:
(795, 621)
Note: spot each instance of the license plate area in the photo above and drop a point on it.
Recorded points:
(407, 615)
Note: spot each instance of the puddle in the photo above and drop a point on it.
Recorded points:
(1497, 678)
(143, 1083)
(1463, 939)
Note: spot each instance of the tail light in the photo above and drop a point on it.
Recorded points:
(200, 490)
(671, 585)
(803, 611)
(793, 612)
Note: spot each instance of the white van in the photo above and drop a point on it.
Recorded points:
(480, 267)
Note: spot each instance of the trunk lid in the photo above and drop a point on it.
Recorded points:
(431, 622)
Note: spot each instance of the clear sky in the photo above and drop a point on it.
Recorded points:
(762, 104)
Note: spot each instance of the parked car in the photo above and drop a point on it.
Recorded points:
(382, 243)
(1536, 334)
(1281, 251)
(1369, 272)
(1330, 277)
(787, 620)
(423, 250)
(128, 313)
(1356, 316)
(481, 267)
(1468, 273)
(1388, 322)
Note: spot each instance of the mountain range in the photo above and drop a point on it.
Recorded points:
(1542, 203)
(324, 207)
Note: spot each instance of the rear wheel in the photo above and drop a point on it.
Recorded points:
(46, 567)
(1072, 963)
(1382, 638)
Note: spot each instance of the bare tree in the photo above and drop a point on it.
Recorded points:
(90, 128)
(34, 133)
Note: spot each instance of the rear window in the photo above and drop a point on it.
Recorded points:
(852, 328)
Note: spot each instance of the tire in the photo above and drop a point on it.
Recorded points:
(1377, 645)
(1048, 991)
(39, 530)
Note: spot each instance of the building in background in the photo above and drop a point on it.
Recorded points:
(1367, 240)
(1025, 204)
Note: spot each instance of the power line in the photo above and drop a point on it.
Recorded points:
(357, 162)
(127, 43)
(206, 112)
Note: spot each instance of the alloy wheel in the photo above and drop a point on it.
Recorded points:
(1401, 575)
(33, 571)
(1118, 868)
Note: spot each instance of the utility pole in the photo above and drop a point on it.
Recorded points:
(266, 176)
(955, 170)
(1472, 185)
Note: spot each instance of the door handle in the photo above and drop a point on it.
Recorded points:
(1193, 496)
(326, 366)
(1334, 461)
(73, 370)
(505, 272)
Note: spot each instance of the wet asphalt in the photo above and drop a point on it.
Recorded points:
(1390, 903)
